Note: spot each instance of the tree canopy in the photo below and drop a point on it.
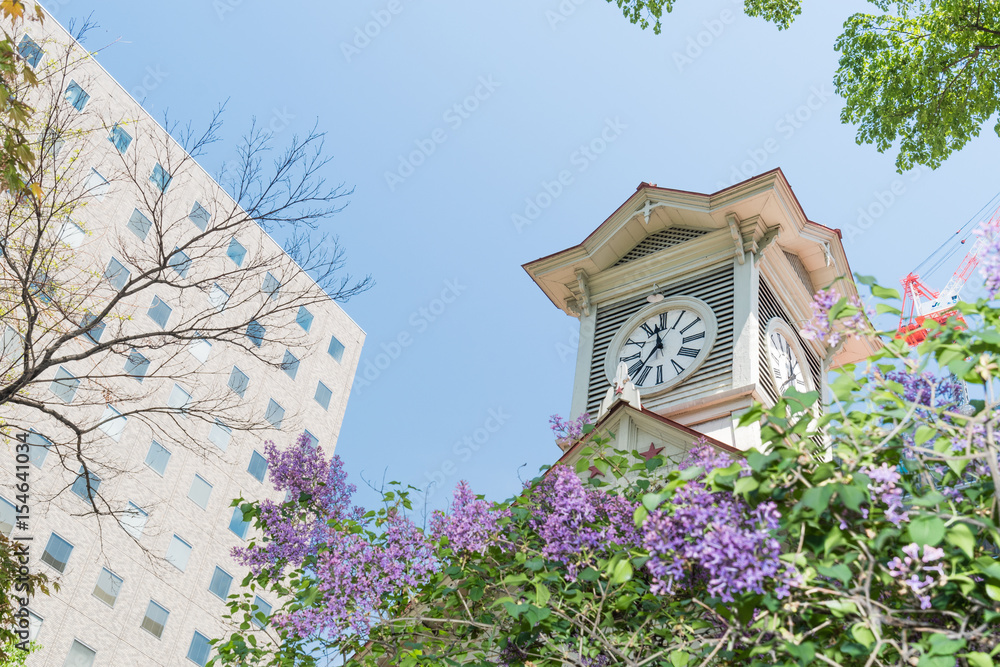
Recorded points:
(920, 76)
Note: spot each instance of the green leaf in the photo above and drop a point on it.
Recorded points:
(926, 530)
(817, 498)
(851, 496)
(839, 571)
(880, 292)
(979, 659)
(923, 434)
(621, 572)
(993, 591)
(680, 658)
(863, 634)
(542, 594)
(745, 485)
(943, 645)
(930, 499)
(961, 536)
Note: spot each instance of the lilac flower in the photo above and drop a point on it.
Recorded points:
(912, 565)
(989, 259)
(832, 333)
(718, 535)
(568, 432)
(884, 489)
(471, 525)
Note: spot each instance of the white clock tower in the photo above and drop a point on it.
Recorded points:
(702, 297)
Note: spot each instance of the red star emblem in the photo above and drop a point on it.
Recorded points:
(651, 452)
(595, 472)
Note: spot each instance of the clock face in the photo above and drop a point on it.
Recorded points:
(663, 344)
(787, 368)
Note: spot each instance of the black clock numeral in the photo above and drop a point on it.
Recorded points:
(634, 368)
(659, 374)
(642, 376)
(693, 337)
(631, 357)
(679, 318)
(688, 352)
(663, 321)
(696, 320)
(632, 342)
(777, 373)
(648, 329)
(677, 366)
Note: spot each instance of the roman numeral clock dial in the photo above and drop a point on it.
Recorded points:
(663, 344)
(786, 361)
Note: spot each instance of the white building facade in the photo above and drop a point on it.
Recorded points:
(151, 591)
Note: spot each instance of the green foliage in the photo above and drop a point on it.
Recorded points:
(920, 75)
(12, 656)
(18, 588)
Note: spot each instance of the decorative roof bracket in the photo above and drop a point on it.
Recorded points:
(734, 230)
(584, 301)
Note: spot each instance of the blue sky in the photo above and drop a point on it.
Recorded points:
(449, 118)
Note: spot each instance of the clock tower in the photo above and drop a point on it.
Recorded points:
(702, 297)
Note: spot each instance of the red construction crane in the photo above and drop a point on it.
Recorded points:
(921, 302)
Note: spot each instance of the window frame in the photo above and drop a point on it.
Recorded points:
(117, 592)
(165, 462)
(45, 552)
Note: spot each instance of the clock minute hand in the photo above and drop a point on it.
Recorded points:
(658, 346)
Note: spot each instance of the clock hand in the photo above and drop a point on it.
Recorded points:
(658, 346)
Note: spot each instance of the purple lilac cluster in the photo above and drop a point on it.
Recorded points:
(716, 536)
(914, 571)
(989, 259)
(884, 489)
(923, 388)
(568, 432)
(353, 570)
(471, 525)
(831, 334)
(576, 523)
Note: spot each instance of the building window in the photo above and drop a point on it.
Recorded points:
(94, 333)
(258, 466)
(218, 297)
(80, 655)
(134, 520)
(239, 381)
(304, 318)
(158, 457)
(64, 385)
(221, 583)
(57, 553)
(11, 347)
(155, 619)
(179, 399)
(178, 553)
(323, 395)
(139, 224)
(311, 439)
(199, 216)
(290, 364)
(96, 185)
(30, 51)
(159, 312)
(113, 423)
(72, 234)
(34, 625)
(220, 435)
(200, 349)
(274, 414)
(336, 349)
(136, 365)
(41, 286)
(237, 524)
(200, 491)
(76, 95)
(261, 611)
(38, 449)
(120, 138)
(270, 286)
(107, 588)
(160, 178)
(81, 488)
(255, 332)
(199, 649)
(52, 142)
(236, 252)
(8, 515)
(180, 262)
(117, 274)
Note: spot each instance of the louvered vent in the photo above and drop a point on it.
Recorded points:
(715, 289)
(659, 241)
(800, 271)
(770, 308)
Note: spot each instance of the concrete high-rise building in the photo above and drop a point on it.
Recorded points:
(146, 585)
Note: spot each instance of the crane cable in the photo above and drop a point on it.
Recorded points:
(965, 231)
